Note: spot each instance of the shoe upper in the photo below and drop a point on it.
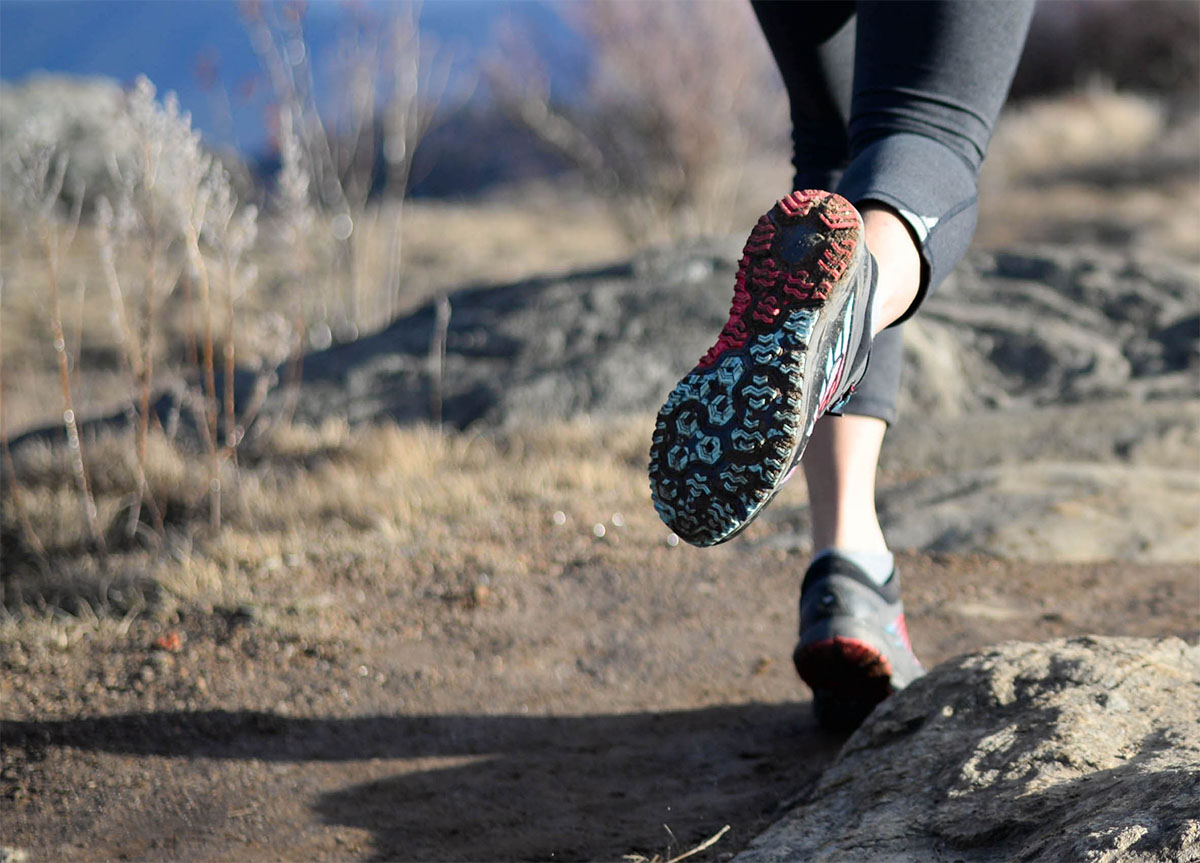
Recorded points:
(864, 328)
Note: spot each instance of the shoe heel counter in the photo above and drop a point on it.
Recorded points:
(824, 600)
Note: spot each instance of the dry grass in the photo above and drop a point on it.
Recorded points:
(307, 503)
(1091, 126)
(515, 235)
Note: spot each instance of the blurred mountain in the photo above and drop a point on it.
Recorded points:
(192, 46)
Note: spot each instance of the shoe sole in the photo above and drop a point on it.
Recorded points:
(734, 428)
(848, 677)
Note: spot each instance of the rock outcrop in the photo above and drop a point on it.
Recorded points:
(610, 341)
(1050, 398)
(1035, 326)
(1032, 327)
(1085, 749)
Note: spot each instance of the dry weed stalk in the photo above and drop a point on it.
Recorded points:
(141, 211)
(175, 194)
(137, 213)
(384, 114)
(197, 264)
(40, 170)
(294, 225)
(703, 846)
(114, 231)
(416, 81)
(707, 843)
(297, 217)
(231, 232)
(277, 36)
(437, 359)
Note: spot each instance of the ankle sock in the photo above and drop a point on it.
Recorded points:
(878, 565)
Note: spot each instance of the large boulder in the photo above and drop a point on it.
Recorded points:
(1084, 749)
(613, 340)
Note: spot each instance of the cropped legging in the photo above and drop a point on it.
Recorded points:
(894, 102)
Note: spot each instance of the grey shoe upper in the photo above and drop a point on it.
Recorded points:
(864, 328)
(838, 600)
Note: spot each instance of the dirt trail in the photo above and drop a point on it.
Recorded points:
(573, 719)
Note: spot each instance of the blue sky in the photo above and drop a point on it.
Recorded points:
(167, 39)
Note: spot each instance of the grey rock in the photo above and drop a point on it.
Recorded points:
(1050, 325)
(610, 341)
(1064, 511)
(1098, 480)
(1051, 404)
(1084, 749)
(1030, 327)
(1163, 433)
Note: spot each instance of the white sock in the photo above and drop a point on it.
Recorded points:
(878, 565)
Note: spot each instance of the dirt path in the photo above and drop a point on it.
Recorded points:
(577, 717)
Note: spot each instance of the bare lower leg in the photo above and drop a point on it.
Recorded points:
(842, 457)
(839, 467)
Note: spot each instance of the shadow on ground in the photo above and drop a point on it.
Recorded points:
(508, 787)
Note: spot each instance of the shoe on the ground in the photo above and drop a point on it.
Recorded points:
(854, 650)
(796, 344)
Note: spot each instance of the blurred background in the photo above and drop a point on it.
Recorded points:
(194, 191)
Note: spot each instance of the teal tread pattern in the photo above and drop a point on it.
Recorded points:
(733, 428)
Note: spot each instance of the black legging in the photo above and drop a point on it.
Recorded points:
(894, 102)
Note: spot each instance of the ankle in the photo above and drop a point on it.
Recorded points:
(848, 522)
(862, 535)
(890, 241)
(877, 565)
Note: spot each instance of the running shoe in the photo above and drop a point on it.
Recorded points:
(854, 650)
(796, 344)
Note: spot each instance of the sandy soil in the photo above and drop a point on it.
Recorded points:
(590, 712)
